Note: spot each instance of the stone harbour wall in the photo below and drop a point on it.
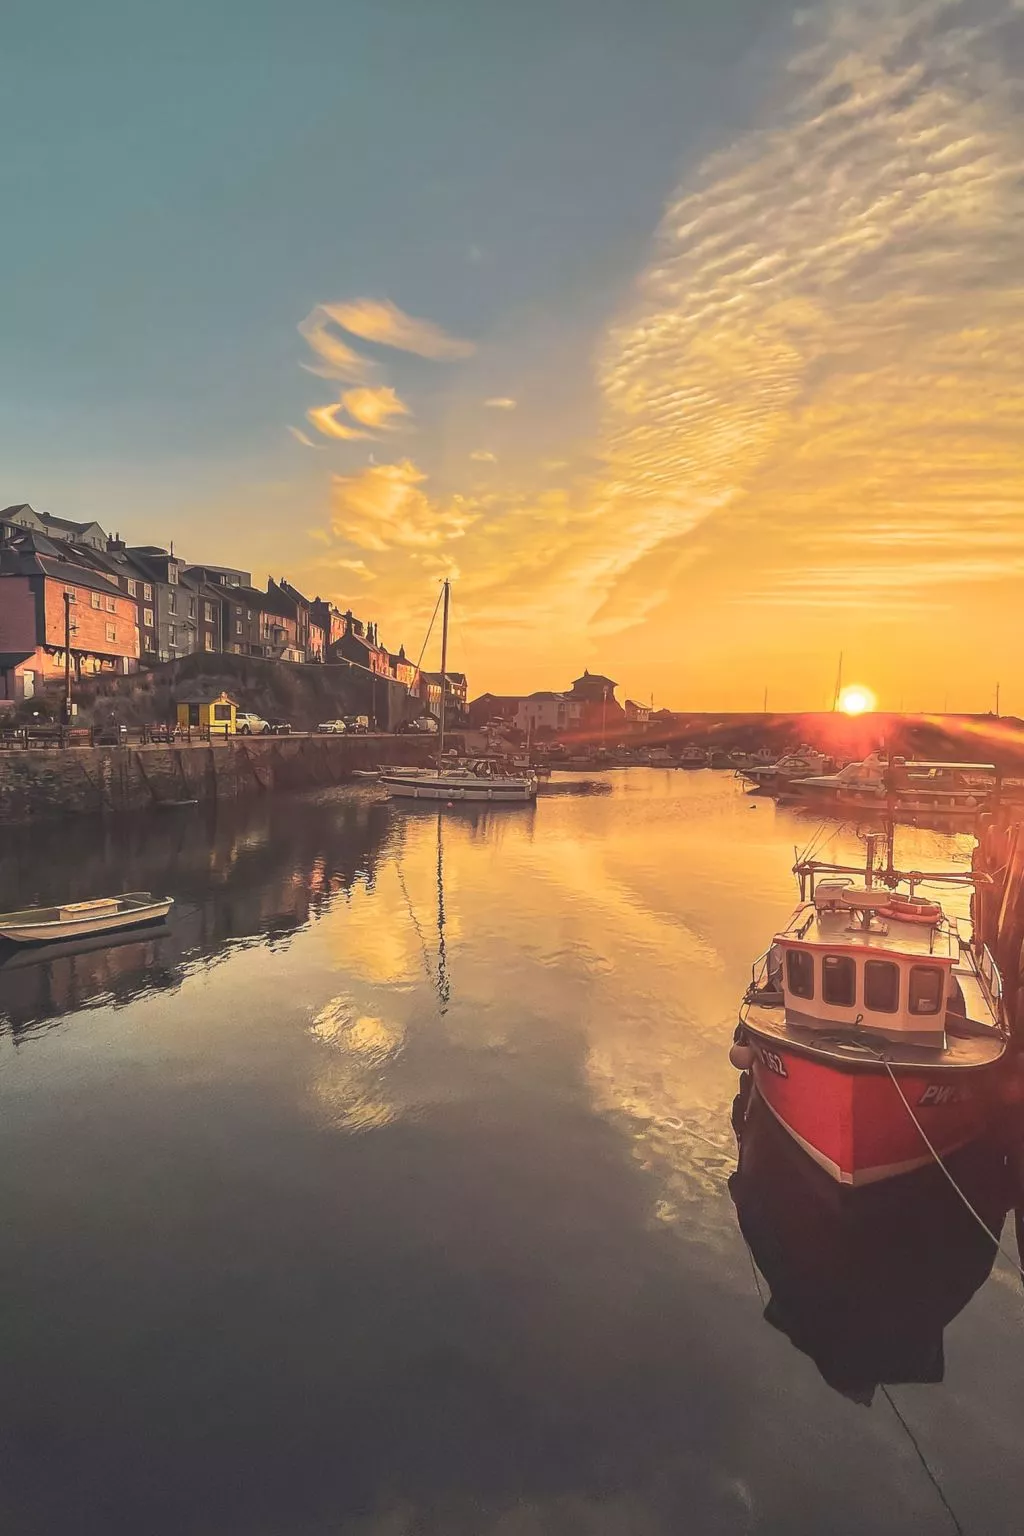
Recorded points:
(83, 781)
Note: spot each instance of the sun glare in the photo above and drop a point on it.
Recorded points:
(856, 700)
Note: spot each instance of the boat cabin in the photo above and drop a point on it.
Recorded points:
(858, 958)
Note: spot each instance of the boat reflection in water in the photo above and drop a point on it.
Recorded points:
(864, 1281)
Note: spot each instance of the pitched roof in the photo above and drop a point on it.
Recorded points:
(594, 677)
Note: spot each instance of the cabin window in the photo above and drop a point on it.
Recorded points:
(881, 986)
(839, 980)
(800, 972)
(222, 712)
(927, 985)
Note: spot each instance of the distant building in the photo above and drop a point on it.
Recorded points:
(329, 618)
(493, 706)
(600, 711)
(455, 696)
(547, 714)
(59, 530)
(35, 574)
(360, 647)
(637, 715)
(402, 669)
(309, 633)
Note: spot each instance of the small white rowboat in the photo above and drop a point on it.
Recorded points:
(79, 919)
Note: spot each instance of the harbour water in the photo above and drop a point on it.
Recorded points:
(391, 1189)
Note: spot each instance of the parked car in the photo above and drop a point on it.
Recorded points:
(425, 725)
(279, 727)
(252, 725)
(332, 727)
(359, 723)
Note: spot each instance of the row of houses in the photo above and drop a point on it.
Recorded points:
(588, 709)
(69, 589)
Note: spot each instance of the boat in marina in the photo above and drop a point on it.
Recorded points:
(772, 778)
(82, 919)
(482, 779)
(692, 757)
(908, 789)
(873, 1026)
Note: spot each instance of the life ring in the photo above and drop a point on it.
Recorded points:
(912, 909)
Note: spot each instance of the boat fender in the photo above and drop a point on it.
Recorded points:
(741, 1056)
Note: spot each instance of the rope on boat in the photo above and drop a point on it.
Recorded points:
(924, 1137)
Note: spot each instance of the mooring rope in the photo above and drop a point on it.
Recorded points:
(922, 1459)
(924, 1137)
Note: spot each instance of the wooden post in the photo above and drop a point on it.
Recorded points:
(67, 658)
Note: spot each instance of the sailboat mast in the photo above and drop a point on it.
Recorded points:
(444, 672)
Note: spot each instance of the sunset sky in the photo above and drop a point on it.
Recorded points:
(687, 337)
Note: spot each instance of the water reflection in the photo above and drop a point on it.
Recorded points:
(864, 1282)
(393, 1183)
(238, 874)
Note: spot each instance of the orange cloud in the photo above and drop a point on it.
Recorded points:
(373, 407)
(380, 321)
(384, 508)
(324, 418)
(336, 360)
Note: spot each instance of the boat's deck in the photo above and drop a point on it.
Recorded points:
(843, 929)
(961, 1051)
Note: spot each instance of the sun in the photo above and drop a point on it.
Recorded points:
(856, 700)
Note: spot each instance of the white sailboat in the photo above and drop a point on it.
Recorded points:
(481, 780)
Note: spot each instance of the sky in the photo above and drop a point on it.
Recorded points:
(687, 339)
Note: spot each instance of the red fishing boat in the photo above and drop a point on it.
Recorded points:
(873, 1027)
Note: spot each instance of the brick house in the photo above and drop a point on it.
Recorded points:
(309, 632)
(402, 669)
(455, 696)
(359, 645)
(330, 619)
(35, 574)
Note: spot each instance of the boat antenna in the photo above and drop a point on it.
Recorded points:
(444, 670)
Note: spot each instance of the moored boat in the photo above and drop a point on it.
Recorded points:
(774, 777)
(873, 1028)
(481, 780)
(909, 789)
(81, 919)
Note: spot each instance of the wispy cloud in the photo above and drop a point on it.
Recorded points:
(335, 358)
(484, 456)
(380, 321)
(814, 400)
(374, 407)
(325, 419)
(385, 507)
(500, 403)
(300, 437)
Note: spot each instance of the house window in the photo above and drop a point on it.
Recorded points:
(238, 626)
(94, 599)
(208, 612)
(133, 589)
(71, 594)
(172, 575)
(147, 592)
(191, 607)
(927, 985)
(172, 635)
(111, 633)
(222, 713)
(111, 605)
(208, 643)
(172, 602)
(147, 617)
(800, 972)
(881, 986)
(839, 981)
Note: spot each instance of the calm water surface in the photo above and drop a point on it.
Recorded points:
(390, 1190)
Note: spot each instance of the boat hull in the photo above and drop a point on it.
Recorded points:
(852, 1121)
(511, 794)
(84, 927)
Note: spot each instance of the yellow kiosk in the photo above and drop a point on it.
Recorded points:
(208, 708)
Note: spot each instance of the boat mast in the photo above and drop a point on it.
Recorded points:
(444, 672)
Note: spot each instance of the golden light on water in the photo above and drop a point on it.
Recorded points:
(856, 700)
